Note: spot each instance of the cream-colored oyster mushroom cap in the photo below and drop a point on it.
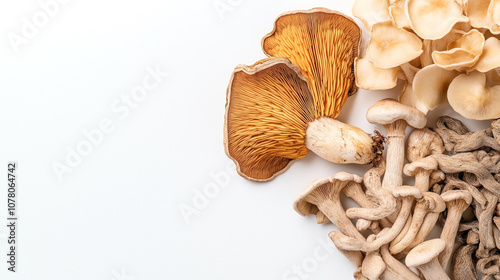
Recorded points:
(477, 11)
(494, 16)
(430, 86)
(371, 12)
(408, 98)
(490, 58)
(461, 53)
(433, 19)
(390, 47)
(369, 77)
(469, 96)
(398, 15)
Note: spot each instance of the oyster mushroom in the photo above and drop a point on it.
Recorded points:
(469, 96)
(369, 77)
(271, 121)
(490, 57)
(390, 47)
(462, 53)
(433, 19)
(424, 258)
(371, 11)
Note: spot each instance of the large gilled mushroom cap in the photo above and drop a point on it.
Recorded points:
(324, 44)
(387, 111)
(425, 252)
(268, 108)
(321, 189)
(469, 96)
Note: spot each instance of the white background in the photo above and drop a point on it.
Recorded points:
(117, 215)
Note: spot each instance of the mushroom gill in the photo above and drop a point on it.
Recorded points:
(268, 108)
(323, 43)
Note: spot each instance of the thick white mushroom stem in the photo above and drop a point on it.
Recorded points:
(456, 203)
(393, 177)
(338, 142)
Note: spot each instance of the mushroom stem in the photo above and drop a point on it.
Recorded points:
(338, 142)
(336, 214)
(433, 271)
(393, 265)
(395, 155)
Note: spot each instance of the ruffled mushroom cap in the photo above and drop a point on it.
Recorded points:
(268, 108)
(477, 11)
(469, 96)
(433, 19)
(490, 58)
(430, 86)
(371, 11)
(463, 52)
(324, 44)
(369, 77)
(390, 47)
(398, 15)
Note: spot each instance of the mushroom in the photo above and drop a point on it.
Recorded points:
(462, 53)
(477, 12)
(324, 195)
(414, 148)
(468, 96)
(395, 117)
(430, 87)
(424, 258)
(279, 109)
(398, 15)
(407, 194)
(395, 270)
(390, 47)
(456, 203)
(421, 169)
(323, 43)
(430, 205)
(490, 58)
(373, 265)
(463, 266)
(433, 19)
(370, 77)
(371, 11)
(271, 121)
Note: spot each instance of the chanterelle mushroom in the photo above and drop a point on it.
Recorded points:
(279, 109)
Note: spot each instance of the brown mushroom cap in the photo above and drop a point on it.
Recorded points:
(387, 111)
(268, 108)
(323, 43)
(425, 252)
(321, 189)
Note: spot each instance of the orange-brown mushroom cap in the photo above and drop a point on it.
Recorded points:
(323, 43)
(268, 108)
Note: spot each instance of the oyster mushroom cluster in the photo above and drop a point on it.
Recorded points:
(445, 50)
(397, 217)
(284, 106)
(472, 164)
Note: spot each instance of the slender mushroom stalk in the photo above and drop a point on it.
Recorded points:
(487, 240)
(324, 195)
(373, 265)
(456, 203)
(407, 194)
(395, 117)
(424, 257)
(386, 201)
(430, 203)
(395, 270)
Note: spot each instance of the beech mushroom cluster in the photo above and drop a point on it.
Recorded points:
(397, 217)
(282, 107)
(472, 164)
(445, 50)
